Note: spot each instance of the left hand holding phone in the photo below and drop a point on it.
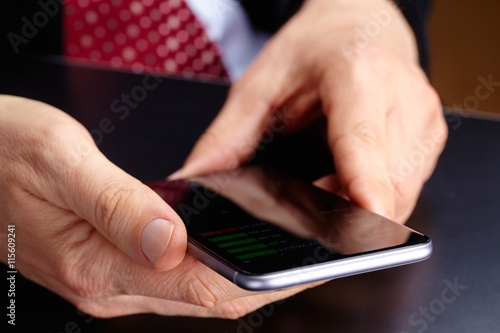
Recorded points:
(95, 235)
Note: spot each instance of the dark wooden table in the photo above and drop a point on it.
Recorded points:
(457, 290)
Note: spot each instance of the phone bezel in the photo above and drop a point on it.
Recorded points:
(334, 269)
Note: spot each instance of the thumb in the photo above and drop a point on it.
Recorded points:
(125, 211)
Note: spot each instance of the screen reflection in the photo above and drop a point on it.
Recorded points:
(298, 207)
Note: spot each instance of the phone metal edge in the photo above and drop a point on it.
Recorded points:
(313, 273)
(211, 262)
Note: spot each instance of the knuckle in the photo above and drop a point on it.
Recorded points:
(433, 99)
(364, 136)
(432, 105)
(60, 141)
(441, 133)
(199, 293)
(367, 132)
(74, 280)
(111, 199)
(59, 129)
(438, 130)
(86, 275)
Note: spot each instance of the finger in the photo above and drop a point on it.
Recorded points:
(416, 162)
(356, 134)
(99, 271)
(130, 215)
(190, 282)
(247, 113)
(122, 305)
(96, 269)
(419, 132)
(126, 212)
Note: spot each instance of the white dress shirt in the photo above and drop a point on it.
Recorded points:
(226, 23)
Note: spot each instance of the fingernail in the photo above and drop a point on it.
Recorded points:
(155, 238)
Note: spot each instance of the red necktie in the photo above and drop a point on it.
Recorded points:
(154, 35)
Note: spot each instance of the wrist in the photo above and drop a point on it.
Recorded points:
(367, 23)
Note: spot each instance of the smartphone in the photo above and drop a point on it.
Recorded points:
(265, 230)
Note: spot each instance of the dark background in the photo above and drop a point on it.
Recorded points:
(458, 209)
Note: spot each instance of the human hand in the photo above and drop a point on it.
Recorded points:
(95, 235)
(385, 125)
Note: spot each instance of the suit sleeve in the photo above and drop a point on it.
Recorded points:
(416, 12)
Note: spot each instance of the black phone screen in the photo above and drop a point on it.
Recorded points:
(250, 244)
(247, 241)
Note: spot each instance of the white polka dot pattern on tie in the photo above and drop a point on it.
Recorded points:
(140, 35)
